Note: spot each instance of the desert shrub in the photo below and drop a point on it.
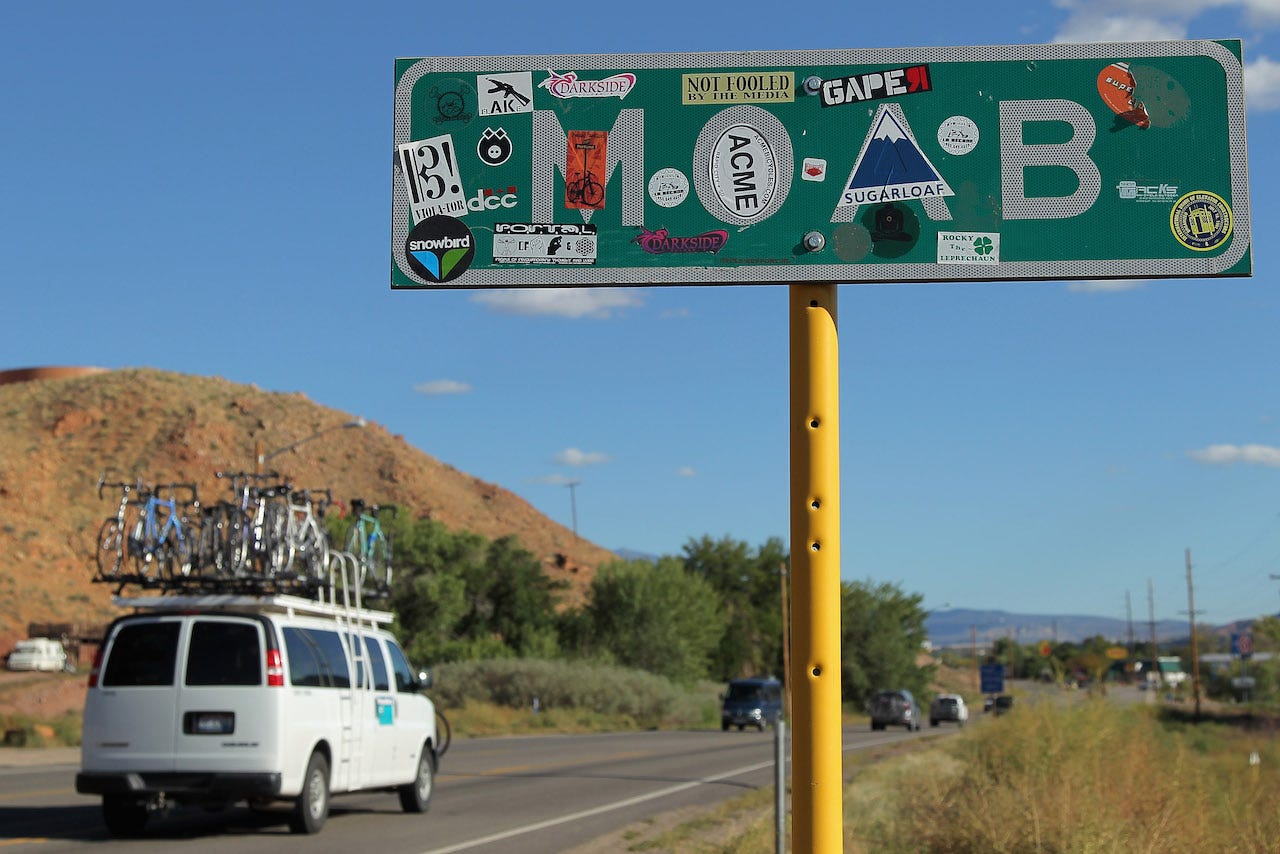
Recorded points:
(643, 697)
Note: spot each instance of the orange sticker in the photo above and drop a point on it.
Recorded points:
(584, 169)
(1119, 90)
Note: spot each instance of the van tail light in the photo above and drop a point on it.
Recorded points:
(97, 667)
(275, 669)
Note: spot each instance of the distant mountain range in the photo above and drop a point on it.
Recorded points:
(957, 626)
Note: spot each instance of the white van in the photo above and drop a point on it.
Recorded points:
(214, 699)
(37, 654)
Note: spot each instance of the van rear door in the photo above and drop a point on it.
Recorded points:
(227, 717)
(129, 723)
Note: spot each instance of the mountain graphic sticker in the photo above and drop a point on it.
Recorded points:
(891, 167)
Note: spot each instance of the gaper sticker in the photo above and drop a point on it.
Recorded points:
(440, 248)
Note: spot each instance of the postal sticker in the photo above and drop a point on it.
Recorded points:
(668, 187)
(430, 170)
(958, 135)
(814, 169)
(585, 164)
(544, 243)
(1201, 220)
(504, 94)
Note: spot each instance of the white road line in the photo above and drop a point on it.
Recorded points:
(617, 805)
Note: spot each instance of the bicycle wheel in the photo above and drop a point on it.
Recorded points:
(110, 549)
(275, 539)
(176, 554)
(236, 539)
(142, 551)
(380, 560)
(592, 192)
(313, 552)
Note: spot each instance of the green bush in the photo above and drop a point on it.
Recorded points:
(649, 700)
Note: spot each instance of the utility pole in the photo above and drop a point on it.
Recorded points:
(573, 504)
(1195, 647)
(1151, 622)
(1128, 612)
(977, 665)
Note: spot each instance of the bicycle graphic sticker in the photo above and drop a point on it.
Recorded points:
(585, 164)
(430, 169)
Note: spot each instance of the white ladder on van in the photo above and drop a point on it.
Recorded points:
(345, 592)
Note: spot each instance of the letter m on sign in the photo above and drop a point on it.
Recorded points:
(626, 146)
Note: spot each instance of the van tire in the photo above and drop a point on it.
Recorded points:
(124, 817)
(416, 796)
(312, 806)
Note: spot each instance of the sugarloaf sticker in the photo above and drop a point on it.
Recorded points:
(568, 85)
(430, 170)
(958, 135)
(585, 169)
(544, 243)
(440, 248)
(661, 242)
(1201, 220)
(494, 147)
(453, 101)
(668, 187)
(876, 86)
(891, 167)
(1119, 90)
(744, 171)
(968, 247)
(504, 94)
(739, 87)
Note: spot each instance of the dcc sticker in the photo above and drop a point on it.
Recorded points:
(440, 248)
(1201, 220)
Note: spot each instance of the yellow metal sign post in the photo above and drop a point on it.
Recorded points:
(816, 749)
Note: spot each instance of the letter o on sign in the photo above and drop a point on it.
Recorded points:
(743, 165)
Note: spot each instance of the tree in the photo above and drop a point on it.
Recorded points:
(748, 582)
(882, 632)
(657, 617)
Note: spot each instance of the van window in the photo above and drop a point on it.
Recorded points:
(317, 658)
(378, 664)
(224, 653)
(405, 681)
(143, 653)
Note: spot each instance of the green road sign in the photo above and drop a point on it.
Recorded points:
(1065, 161)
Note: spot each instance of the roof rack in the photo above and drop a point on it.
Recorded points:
(281, 603)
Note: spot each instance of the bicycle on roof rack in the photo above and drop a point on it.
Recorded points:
(149, 533)
(369, 543)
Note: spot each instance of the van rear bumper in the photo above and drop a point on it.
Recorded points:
(181, 785)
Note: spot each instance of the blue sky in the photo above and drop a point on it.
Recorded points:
(205, 189)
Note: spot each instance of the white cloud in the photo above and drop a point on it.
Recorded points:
(1262, 84)
(1154, 20)
(1226, 455)
(438, 387)
(1105, 286)
(1091, 22)
(685, 471)
(574, 303)
(556, 480)
(578, 459)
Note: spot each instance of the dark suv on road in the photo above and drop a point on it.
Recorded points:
(895, 707)
(751, 702)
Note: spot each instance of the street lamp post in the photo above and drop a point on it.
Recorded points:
(261, 456)
(573, 504)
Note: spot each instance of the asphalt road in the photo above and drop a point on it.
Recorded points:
(531, 794)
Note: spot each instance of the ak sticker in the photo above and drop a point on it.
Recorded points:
(504, 94)
(585, 164)
(1201, 220)
(440, 248)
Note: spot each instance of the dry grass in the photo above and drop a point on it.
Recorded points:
(1088, 777)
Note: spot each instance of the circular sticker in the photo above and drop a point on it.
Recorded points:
(668, 187)
(440, 248)
(958, 135)
(1201, 220)
(494, 147)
